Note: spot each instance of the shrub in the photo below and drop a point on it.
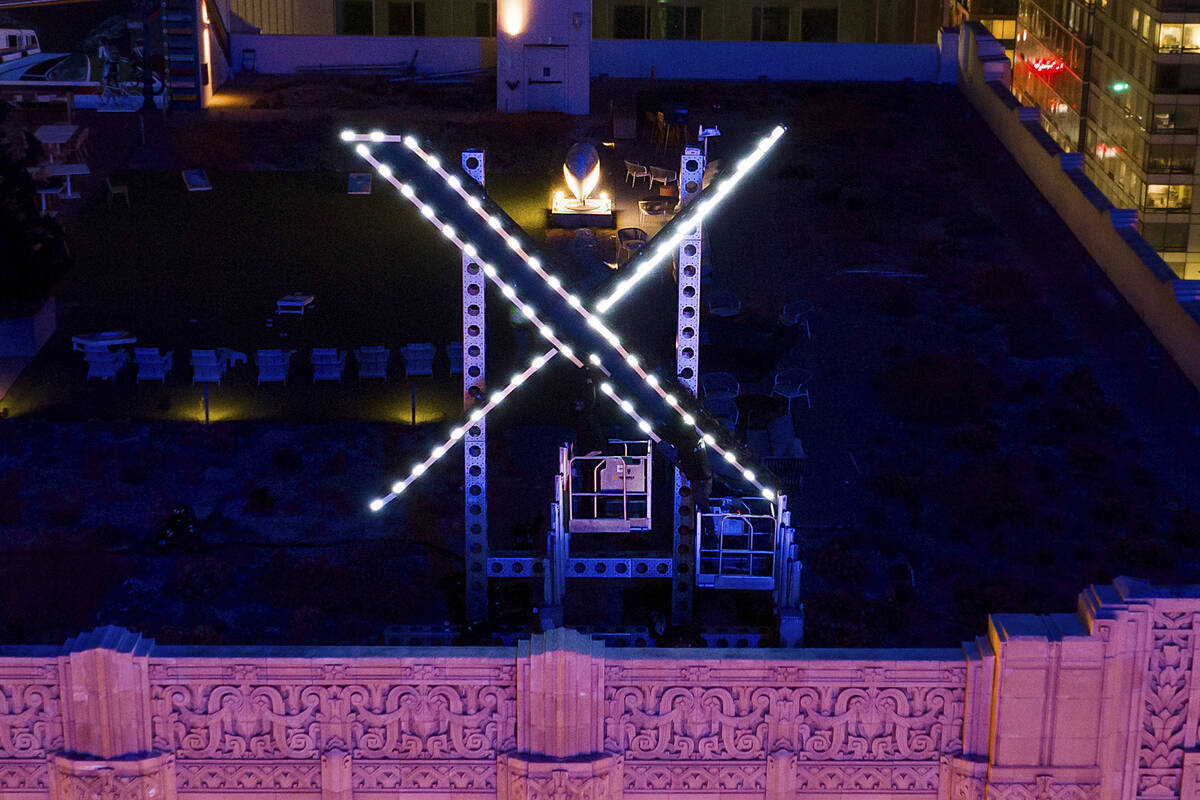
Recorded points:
(939, 390)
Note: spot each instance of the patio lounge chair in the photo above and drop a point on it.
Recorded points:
(454, 352)
(273, 365)
(724, 409)
(719, 385)
(328, 364)
(634, 170)
(152, 365)
(208, 366)
(664, 176)
(105, 365)
(792, 383)
(372, 361)
(630, 241)
(418, 359)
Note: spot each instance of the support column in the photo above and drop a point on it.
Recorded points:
(337, 775)
(687, 367)
(474, 339)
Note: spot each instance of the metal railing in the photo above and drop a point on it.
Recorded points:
(611, 492)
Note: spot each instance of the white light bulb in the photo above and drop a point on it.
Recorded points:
(494, 222)
(644, 426)
(508, 292)
(376, 136)
(474, 203)
(533, 262)
(363, 150)
(566, 351)
(517, 379)
(469, 250)
(627, 406)
(528, 312)
(448, 231)
(427, 212)
(595, 359)
(538, 363)
(554, 283)
(595, 323)
(457, 434)
(347, 135)
(546, 332)
(477, 415)
(439, 451)
(688, 419)
(670, 400)
(573, 301)
(489, 270)
(385, 170)
(748, 475)
(454, 183)
(514, 243)
(410, 142)
(496, 397)
(418, 470)
(606, 387)
(433, 162)
(730, 457)
(632, 360)
(376, 504)
(652, 381)
(768, 494)
(709, 440)
(397, 487)
(407, 191)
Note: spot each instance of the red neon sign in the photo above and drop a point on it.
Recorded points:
(1047, 65)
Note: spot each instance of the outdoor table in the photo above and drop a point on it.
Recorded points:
(101, 341)
(293, 304)
(66, 171)
(55, 136)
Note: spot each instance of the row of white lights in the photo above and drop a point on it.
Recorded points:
(593, 321)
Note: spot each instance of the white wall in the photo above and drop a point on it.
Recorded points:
(792, 61)
(281, 53)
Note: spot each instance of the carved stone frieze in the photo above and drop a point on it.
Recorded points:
(520, 777)
(207, 721)
(1165, 712)
(661, 776)
(228, 776)
(24, 776)
(30, 721)
(822, 723)
(884, 778)
(434, 776)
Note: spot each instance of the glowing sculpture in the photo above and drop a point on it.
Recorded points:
(581, 170)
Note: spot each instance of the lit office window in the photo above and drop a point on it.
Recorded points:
(1164, 197)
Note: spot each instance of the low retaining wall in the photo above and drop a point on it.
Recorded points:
(784, 61)
(1167, 305)
(1097, 705)
(278, 53)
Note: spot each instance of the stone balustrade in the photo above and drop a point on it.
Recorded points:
(1097, 705)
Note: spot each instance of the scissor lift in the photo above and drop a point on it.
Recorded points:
(609, 492)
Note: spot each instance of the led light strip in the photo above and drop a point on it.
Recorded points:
(706, 207)
(626, 406)
(458, 432)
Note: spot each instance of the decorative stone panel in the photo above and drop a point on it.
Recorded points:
(521, 777)
(150, 778)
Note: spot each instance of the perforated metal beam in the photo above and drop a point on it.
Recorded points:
(584, 567)
(474, 340)
(687, 367)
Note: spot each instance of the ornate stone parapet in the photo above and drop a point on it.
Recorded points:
(560, 694)
(105, 683)
(149, 778)
(526, 777)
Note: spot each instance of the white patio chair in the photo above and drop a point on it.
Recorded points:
(630, 241)
(328, 363)
(152, 365)
(719, 385)
(372, 361)
(105, 365)
(634, 170)
(454, 351)
(418, 359)
(797, 314)
(664, 176)
(792, 383)
(208, 366)
(273, 365)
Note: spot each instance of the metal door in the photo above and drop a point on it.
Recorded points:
(546, 73)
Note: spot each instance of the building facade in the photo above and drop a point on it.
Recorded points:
(1101, 704)
(1119, 82)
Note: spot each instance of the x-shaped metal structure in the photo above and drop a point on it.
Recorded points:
(663, 406)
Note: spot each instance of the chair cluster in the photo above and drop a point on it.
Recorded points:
(634, 171)
(328, 363)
